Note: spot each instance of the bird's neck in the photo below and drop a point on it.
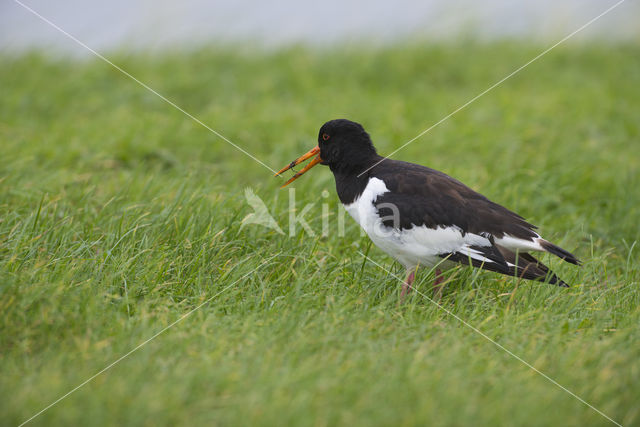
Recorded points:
(352, 180)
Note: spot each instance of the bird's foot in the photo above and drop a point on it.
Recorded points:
(438, 285)
(406, 286)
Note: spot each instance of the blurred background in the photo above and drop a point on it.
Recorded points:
(119, 213)
(161, 24)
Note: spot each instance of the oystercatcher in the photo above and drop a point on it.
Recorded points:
(423, 217)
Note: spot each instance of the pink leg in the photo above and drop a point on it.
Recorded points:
(437, 286)
(406, 286)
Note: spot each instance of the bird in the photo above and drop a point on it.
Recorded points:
(422, 217)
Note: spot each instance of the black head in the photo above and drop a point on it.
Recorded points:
(345, 145)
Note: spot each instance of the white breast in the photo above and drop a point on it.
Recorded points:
(419, 245)
(362, 209)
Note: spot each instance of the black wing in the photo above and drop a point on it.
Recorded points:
(428, 197)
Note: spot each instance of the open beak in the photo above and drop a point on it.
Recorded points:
(312, 163)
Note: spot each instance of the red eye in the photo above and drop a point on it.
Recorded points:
(325, 137)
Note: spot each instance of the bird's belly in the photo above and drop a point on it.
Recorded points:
(411, 247)
(400, 245)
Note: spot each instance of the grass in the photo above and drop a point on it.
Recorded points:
(119, 215)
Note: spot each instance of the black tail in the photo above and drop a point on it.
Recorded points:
(538, 269)
(528, 267)
(504, 261)
(559, 252)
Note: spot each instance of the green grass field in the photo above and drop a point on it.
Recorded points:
(119, 215)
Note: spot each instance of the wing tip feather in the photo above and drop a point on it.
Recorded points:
(559, 252)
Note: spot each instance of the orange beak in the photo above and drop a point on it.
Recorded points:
(299, 160)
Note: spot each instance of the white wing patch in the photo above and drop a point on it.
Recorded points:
(474, 254)
(517, 244)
